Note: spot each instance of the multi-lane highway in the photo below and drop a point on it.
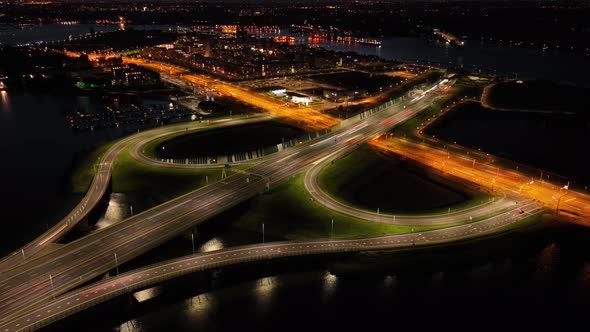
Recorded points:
(503, 202)
(490, 176)
(38, 280)
(304, 116)
(99, 292)
(101, 182)
(28, 290)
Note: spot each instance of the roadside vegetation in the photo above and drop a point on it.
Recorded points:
(85, 167)
(289, 212)
(157, 184)
(369, 179)
(463, 89)
(516, 237)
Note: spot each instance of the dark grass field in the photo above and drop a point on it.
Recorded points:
(227, 140)
(542, 95)
(369, 180)
(552, 142)
(357, 80)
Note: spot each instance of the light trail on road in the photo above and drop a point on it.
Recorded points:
(489, 176)
(304, 116)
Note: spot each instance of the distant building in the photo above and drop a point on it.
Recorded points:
(278, 91)
(299, 98)
(133, 75)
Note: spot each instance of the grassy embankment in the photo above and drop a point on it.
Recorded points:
(289, 212)
(85, 169)
(369, 180)
(516, 237)
(461, 89)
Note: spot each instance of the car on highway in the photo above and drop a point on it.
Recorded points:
(520, 211)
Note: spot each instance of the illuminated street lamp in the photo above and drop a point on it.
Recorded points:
(52, 289)
(524, 184)
(117, 264)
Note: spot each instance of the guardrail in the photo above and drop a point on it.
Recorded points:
(272, 251)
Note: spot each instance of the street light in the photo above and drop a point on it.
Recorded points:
(332, 229)
(52, 289)
(193, 240)
(117, 264)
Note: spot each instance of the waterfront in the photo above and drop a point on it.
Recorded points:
(35, 122)
(512, 61)
(542, 276)
(45, 33)
(502, 281)
(475, 56)
(549, 145)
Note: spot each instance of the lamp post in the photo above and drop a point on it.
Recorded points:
(332, 228)
(193, 241)
(117, 264)
(566, 187)
(52, 289)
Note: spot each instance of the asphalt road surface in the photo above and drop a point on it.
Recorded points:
(101, 182)
(37, 281)
(99, 292)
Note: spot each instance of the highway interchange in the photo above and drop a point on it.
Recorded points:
(32, 285)
(101, 182)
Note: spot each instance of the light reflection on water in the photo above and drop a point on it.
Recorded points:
(4, 101)
(133, 325)
(546, 262)
(117, 210)
(147, 294)
(330, 282)
(390, 281)
(264, 291)
(198, 307)
(211, 245)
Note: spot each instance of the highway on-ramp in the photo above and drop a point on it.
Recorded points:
(503, 202)
(39, 279)
(100, 184)
(99, 292)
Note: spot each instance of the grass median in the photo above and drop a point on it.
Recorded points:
(369, 179)
(288, 212)
(158, 184)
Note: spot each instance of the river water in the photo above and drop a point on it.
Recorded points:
(38, 149)
(42, 33)
(537, 282)
(515, 61)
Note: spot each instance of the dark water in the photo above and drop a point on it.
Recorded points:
(227, 141)
(530, 280)
(553, 143)
(531, 283)
(525, 63)
(518, 61)
(39, 33)
(38, 149)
